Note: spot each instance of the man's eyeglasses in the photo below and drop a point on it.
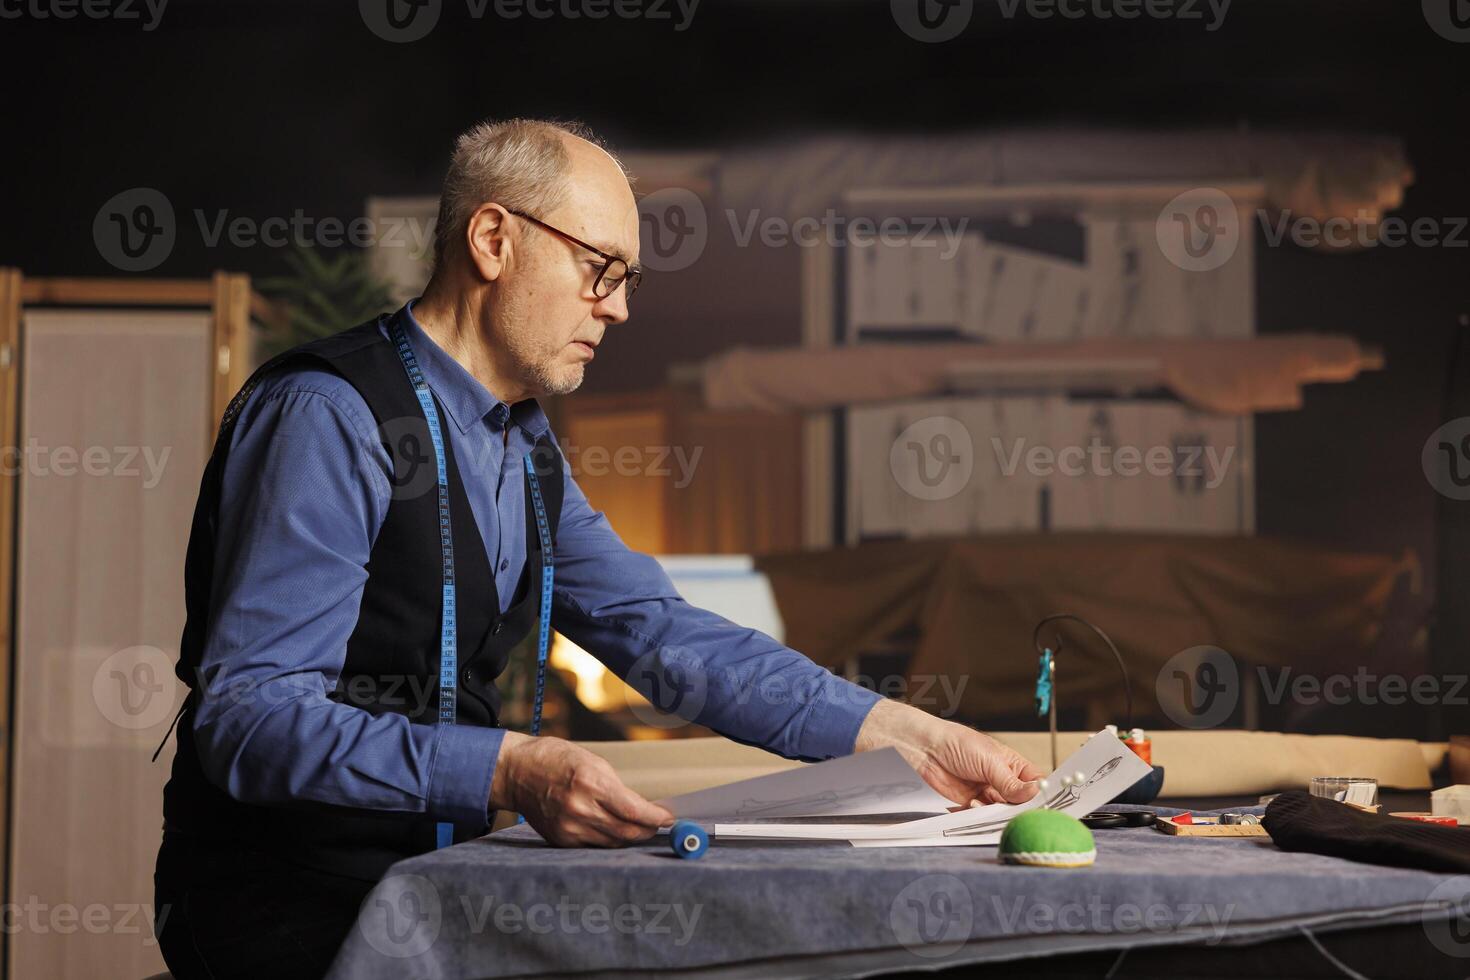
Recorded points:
(614, 271)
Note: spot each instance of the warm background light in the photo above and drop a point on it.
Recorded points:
(597, 687)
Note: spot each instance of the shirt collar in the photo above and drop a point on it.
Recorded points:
(464, 398)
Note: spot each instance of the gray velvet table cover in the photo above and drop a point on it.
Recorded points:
(507, 905)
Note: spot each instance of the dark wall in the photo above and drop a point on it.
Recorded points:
(265, 108)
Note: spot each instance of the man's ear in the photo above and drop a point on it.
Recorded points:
(487, 239)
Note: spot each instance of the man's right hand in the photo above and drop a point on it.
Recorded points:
(571, 796)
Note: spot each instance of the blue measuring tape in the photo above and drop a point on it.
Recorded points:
(448, 643)
(543, 532)
(543, 632)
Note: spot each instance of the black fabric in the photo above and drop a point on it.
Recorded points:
(1298, 821)
(226, 912)
(392, 656)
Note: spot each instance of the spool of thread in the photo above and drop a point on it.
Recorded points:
(1241, 819)
(1423, 817)
(1139, 742)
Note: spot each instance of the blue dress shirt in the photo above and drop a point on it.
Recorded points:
(306, 488)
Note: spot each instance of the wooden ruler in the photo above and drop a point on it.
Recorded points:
(1209, 827)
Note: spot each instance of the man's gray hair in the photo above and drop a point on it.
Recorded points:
(519, 164)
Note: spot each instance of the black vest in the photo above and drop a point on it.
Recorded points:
(392, 660)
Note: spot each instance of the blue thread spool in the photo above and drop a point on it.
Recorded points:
(688, 839)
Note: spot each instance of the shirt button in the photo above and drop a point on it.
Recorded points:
(468, 674)
(504, 564)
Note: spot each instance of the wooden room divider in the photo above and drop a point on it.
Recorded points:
(110, 394)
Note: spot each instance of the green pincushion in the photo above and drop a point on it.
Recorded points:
(1048, 839)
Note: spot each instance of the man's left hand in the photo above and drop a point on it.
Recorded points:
(959, 762)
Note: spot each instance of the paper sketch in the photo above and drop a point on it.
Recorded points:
(1088, 779)
(854, 785)
(829, 801)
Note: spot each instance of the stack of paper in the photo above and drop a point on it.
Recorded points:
(881, 782)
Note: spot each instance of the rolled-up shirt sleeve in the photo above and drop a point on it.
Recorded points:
(305, 490)
(622, 608)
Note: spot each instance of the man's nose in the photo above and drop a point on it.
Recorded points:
(613, 308)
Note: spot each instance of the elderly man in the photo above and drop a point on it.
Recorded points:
(382, 519)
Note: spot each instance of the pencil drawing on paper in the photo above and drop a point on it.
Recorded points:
(827, 798)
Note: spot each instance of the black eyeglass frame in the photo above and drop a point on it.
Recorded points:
(631, 278)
